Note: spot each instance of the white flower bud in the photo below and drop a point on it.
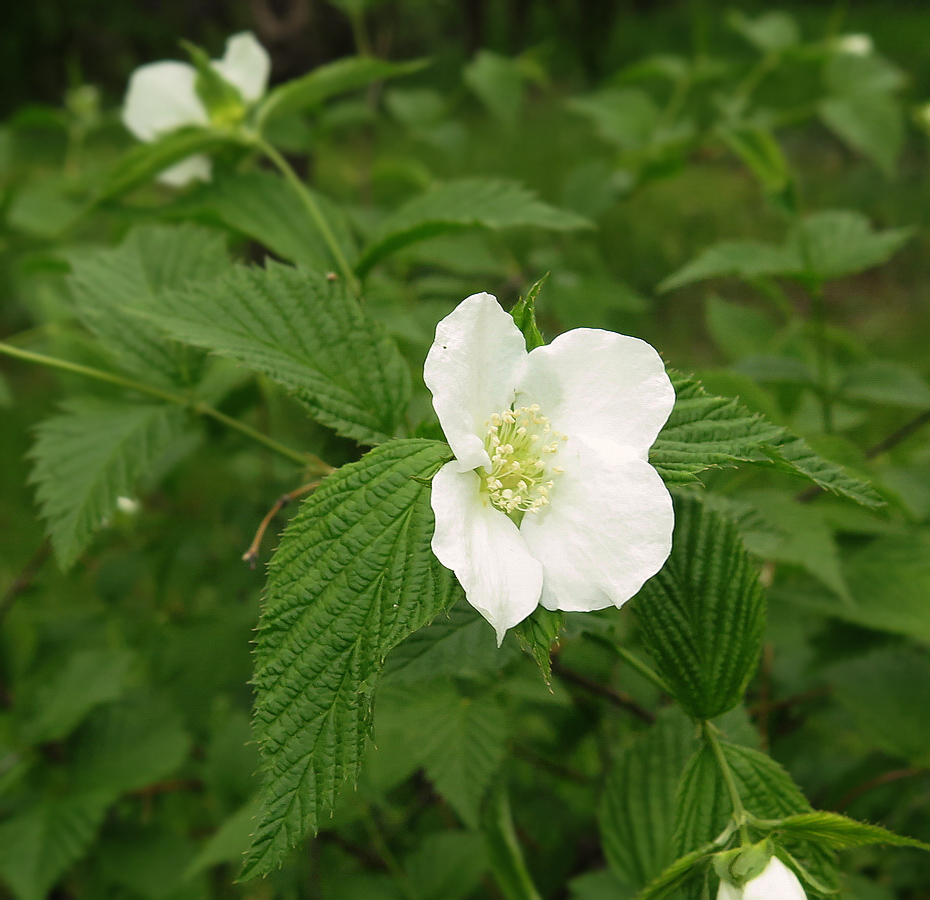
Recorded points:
(855, 44)
(775, 882)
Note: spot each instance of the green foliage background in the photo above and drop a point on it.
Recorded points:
(769, 238)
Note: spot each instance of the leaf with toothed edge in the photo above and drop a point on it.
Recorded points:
(353, 576)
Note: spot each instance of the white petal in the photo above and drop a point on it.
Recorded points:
(600, 385)
(245, 64)
(484, 549)
(194, 168)
(161, 98)
(471, 370)
(608, 528)
(777, 882)
(729, 892)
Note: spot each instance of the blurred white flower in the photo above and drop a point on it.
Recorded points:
(922, 116)
(162, 98)
(855, 44)
(775, 882)
(127, 505)
(550, 498)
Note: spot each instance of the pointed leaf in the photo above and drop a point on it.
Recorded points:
(704, 431)
(637, 813)
(703, 615)
(352, 577)
(91, 454)
(745, 259)
(524, 314)
(466, 203)
(307, 334)
(839, 832)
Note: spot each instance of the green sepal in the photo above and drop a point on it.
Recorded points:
(538, 633)
(222, 100)
(741, 865)
(524, 314)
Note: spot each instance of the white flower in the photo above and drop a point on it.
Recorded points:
(161, 98)
(855, 44)
(775, 882)
(550, 498)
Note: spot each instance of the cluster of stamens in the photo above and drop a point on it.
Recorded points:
(521, 444)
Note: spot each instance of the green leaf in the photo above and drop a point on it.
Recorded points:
(705, 431)
(127, 745)
(761, 152)
(677, 874)
(625, 117)
(850, 74)
(327, 81)
(498, 83)
(447, 865)
(537, 633)
(888, 693)
(108, 284)
(510, 872)
(524, 315)
(637, 812)
(307, 334)
(465, 203)
(600, 885)
(40, 843)
(141, 164)
(886, 382)
(353, 575)
(872, 124)
(834, 243)
(464, 749)
(839, 832)
(703, 616)
(771, 32)
(263, 207)
(63, 699)
(737, 329)
(222, 100)
(89, 455)
(745, 259)
(229, 842)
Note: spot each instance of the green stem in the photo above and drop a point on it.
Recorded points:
(739, 811)
(310, 204)
(507, 864)
(197, 406)
(823, 362)
(646, 671)
(754, 78)
(387, 857)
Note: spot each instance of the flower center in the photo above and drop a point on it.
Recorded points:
(521, 444)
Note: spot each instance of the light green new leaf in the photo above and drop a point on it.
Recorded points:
(703, 616)
(141, 164)
(637, 813)
(263, 207)
(307, 334)
(40, 843)
(839, 832)
(339, 77)
(465, 203)
(704, 431)
(91, 454)
(108, 284)
(352, 576)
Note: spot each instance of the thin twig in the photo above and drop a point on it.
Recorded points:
(617, 698)
(877, 781)
(251, 555)
(26, 575)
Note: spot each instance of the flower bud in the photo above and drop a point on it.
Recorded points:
(775, 882)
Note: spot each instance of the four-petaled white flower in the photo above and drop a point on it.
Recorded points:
(775, 882)
(162, 98)
(550, 498)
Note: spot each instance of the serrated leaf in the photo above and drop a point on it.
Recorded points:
(704, 431)
(91, 454)
(888, 693)
(625, 117)
(352, 577)
(41, 842)
(465, 203)
(464, 749)
(637, 811)
(263, 207)
(703, 616)
(746, 259)
(107, 284)
(881, 381)
(537, 634)
(141, 164)
(459, 643)
(679, 872)
(840, 832)
(339, 77)
(307, 334)
(62, 700)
